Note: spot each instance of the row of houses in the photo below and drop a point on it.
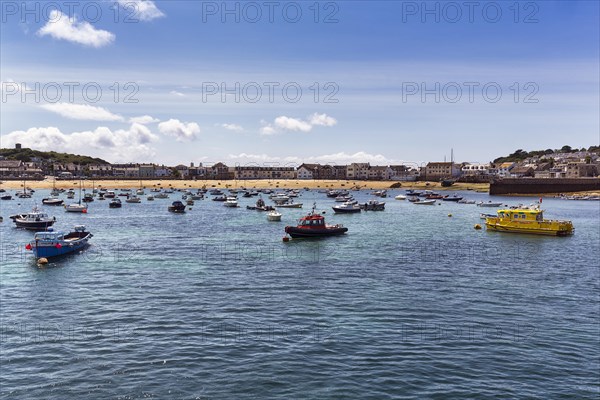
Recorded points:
(570, 169)
(578, 168)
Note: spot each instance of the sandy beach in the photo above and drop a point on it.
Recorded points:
(234, 184)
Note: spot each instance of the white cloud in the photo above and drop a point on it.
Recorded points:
(123, 145)
(267, 130)
(322, 120)
(176, 93)
(82, 112)
(284, 123)
(292, 124)
(144, 10)
(182, 131)
(60, 26)
(340, 158)
(233, 127)
(144, 120)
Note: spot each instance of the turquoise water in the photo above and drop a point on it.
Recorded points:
(213, 304)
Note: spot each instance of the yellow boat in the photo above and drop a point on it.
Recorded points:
(529, 220)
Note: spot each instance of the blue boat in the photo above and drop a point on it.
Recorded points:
(53, 244)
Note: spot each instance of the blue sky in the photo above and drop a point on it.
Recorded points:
(392, 71)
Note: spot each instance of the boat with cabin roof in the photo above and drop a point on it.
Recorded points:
(528, 220)
(313, 226)
(34, 220)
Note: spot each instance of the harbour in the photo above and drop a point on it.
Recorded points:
(215, 294)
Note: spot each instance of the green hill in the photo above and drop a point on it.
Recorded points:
(521, 154)
(26, 155)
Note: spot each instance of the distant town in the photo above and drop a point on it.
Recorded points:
(561, 163)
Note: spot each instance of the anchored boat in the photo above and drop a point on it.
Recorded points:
(177, 207)
(34, 220)
(527, 221)
(53, 244)
(313, 226)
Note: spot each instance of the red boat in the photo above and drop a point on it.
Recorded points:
(312, 226)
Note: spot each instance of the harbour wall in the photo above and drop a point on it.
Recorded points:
(543, 185)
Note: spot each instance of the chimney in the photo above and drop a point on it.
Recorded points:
(18, 146)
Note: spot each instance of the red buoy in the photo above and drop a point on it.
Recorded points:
(58, 245)
(286, 239)
(28, 246)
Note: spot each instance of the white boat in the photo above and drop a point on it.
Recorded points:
(347, 207)
(133, 199)
(425, 202)
(289, 204)
(161, 196)
(76, 207)
(489, 204)
(273, 216)
(150, 198)
(231, 202)
(344, 199)
(140, 192)
(400, 197)
(465, 201)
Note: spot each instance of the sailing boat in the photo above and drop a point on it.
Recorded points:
(53, 200)
(25, 194)
(140, 191)
(77, 207)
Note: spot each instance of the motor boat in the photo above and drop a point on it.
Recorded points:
(373, 205)
(273, 216)
(489, 204)
(260, 206)
(400, 197)
(220, 198)
(110, 194)
(289, 204)
(231, 201)
(115, 203)
(133, 199)
(161, 195)
(52, 201)
(34, 220)
(347, 208)
(6, 197)
(53, 244)
(424, 202)
(452, 198)
(528, 220)
(313, 226)
(465, 201)
(177, 207)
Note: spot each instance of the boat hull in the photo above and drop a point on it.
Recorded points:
(52, 202)
(340, 210)
(542, 228)
(296, 232)
(53, 251)
(38, 225)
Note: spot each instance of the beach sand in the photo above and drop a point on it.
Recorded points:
(235, 184)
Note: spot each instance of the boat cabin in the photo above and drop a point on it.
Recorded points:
(48, 236)
(522, 215)
(312, 221)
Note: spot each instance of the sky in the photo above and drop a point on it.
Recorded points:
(281, 83)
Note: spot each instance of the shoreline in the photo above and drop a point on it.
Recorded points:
(264, 184)
(237, 184)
